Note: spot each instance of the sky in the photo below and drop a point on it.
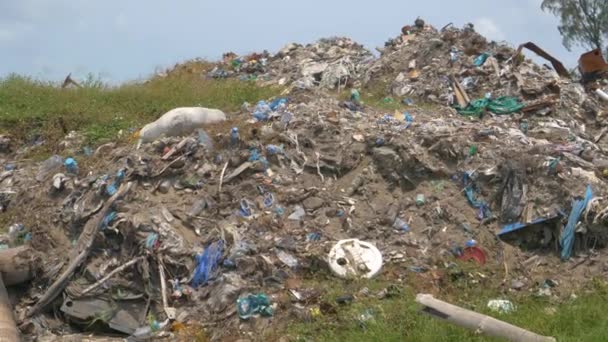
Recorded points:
(125, 40)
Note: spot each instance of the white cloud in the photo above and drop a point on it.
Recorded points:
(488, 28)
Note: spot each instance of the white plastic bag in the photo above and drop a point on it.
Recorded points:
(180, 121)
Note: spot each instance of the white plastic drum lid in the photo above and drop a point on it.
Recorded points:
(355, 258)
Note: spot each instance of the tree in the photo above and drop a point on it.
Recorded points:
(582, 22)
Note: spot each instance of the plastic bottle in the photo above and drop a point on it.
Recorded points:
(48, 167)
(234, 136)
(71, 165)
(355, 96)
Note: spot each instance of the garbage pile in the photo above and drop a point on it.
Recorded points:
(220, 226)
(330, 63)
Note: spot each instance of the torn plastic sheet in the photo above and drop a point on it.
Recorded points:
(566, 240)
(469, 191)
(207, 262)
(514, 227)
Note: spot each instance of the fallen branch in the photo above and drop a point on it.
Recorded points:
(219, 190)
(170, 312)
(319, 168)
(109, 275)
(476, 321)
(79, 253)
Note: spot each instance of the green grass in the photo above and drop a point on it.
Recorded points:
(399, 318)
(29, 107)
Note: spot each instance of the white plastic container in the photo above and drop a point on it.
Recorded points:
(355, 258)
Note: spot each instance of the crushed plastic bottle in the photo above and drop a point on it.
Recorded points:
(401, 225)
(48, 167)
(205, 140)
(287, 259)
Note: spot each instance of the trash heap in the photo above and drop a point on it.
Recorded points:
(459, 67)
(222, 227)
(330, 63)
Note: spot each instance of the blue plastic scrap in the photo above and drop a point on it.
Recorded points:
(278, 103)
(112, 188)
(481, 59)
(245, 208)
(513, 227)
(207, 262)
(254, 304)
(566, 240)
(71, 165)
(107, 220)
(484, 210)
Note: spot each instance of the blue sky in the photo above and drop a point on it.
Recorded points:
(122, 40)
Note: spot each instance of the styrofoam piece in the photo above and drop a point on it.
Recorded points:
(355, 258)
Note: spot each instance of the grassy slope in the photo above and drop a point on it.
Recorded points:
(29, 108)
(399, 318)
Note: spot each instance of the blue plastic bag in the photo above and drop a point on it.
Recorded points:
(207, 262)
(566, 240)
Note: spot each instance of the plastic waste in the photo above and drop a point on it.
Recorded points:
(205, 140)
(87, 151)
(278, 104)
(355, 96)
(287, 259)
(408, 119)
(152, 241)
(297, 214)
(17, 235)
(262, 111)
(500, 106)
(471, 243)
(146, 332)
(112, 188)
(420, 200)
(313, 237)
(108, 219)
(245, 208)
(9, 167)
(501, 305)
(469, 191)
(254, 304)
(355, 258)
(268, 199)
(401, 225)
(71, 165)
(274, 149)
(481, 59)
(48, 167)
(180, 121)
(207, 262)
(566, 239)
(234, 135)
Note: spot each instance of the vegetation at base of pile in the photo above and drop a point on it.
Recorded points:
(32, 109)
(399, 318)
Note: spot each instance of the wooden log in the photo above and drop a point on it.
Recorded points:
(19, 264)
(8, 327)
(476, 321)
